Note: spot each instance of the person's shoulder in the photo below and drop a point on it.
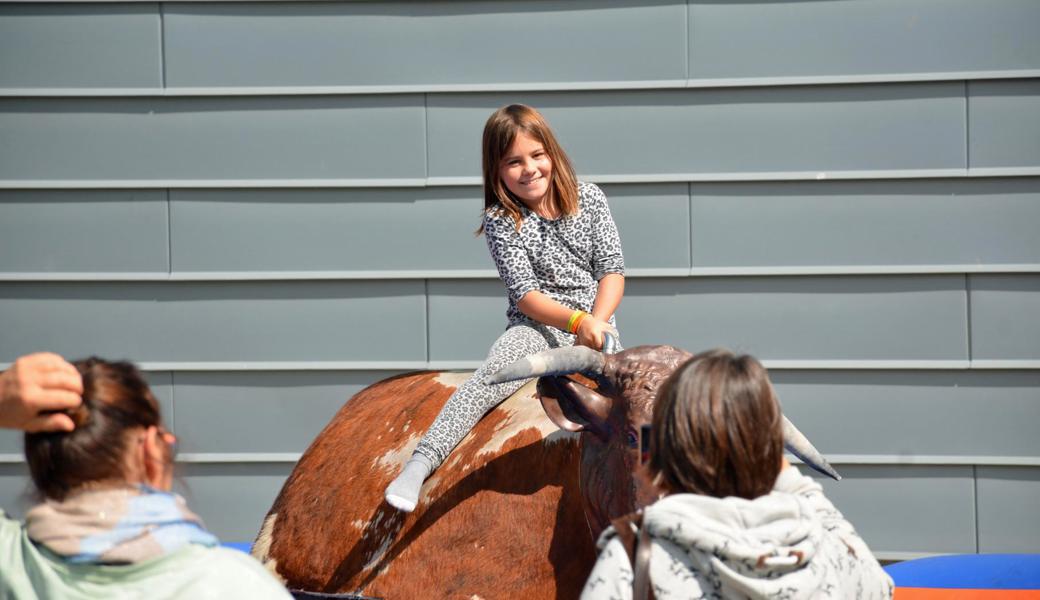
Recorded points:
(495, 213)
(11, 533)
(590, 195)
(236, 571)
(589, 190)
(497, 221)
(792, 481)
(9, 526)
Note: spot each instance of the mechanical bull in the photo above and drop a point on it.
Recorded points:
(513, 512)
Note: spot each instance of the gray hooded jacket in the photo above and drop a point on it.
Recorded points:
(789, 544)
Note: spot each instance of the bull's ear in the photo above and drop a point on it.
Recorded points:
(574, 407)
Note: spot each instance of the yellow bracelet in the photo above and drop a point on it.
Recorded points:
(574, 317)
(573, 327)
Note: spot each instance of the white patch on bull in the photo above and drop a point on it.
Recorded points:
(262, 547)
(561, 435)
(357, 524)
(394, 459)
(380, 551)
(523, 411)
(452, 380)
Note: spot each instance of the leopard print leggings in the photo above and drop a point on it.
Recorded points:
(474, 398)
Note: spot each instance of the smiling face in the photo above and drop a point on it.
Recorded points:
(526, 170)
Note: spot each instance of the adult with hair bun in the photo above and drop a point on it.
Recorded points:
(106, 524)
(734, 519)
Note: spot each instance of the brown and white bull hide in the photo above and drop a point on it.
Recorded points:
(502, 517)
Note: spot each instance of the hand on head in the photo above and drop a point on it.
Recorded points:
(33, 388)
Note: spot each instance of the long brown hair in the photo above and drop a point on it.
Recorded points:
(116, 401)
(717, 428)
(499, 134)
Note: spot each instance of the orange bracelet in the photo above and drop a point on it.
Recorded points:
(577, 322)
(574, 317)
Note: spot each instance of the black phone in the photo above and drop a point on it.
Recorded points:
(644, 443)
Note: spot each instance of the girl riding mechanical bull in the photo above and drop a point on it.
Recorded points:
(558, 253)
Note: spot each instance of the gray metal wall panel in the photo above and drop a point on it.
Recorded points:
(232, 499)
(275, 411)
(414, 43)
(10, 442)
(275, 321)
(465, 317)
(273, 137)
(1008, 497)
(403, 229)
(80, 45)
(908, 508)
(940, 221)
(829, 128)
(327, 230)
(915, 413)
(1005, 317)
(83, 230)
(1004, 128)
(805, 38)
(161, 383)
(653, 223)
(828, 318)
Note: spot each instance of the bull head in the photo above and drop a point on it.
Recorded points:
(610, 409)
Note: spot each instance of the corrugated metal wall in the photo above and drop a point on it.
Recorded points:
(270, 205)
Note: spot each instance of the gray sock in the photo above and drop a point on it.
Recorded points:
(403, 492)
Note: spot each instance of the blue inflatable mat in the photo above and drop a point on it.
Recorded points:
(242, 546)
(998, 574)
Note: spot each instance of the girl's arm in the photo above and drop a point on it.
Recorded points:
(608, 295)
(544, 309)
(540, 307)
(608, 267)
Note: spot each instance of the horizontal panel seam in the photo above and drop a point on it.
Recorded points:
(405, 365)
(489, 274)
(834, 459)
(506, 87)
(475, 181)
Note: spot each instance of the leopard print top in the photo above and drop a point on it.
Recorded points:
(563, 258)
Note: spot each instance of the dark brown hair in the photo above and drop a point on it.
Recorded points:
(499, 134)
(717, 428)
(116, 400)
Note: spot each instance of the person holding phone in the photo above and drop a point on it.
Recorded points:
(734, 518)
(557, 251)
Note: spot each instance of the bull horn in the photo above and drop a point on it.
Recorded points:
(799, 445)
(556, 361)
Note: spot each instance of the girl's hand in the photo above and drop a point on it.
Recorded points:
(590, 332)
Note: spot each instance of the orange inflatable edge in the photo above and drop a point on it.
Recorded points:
(905, 593)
